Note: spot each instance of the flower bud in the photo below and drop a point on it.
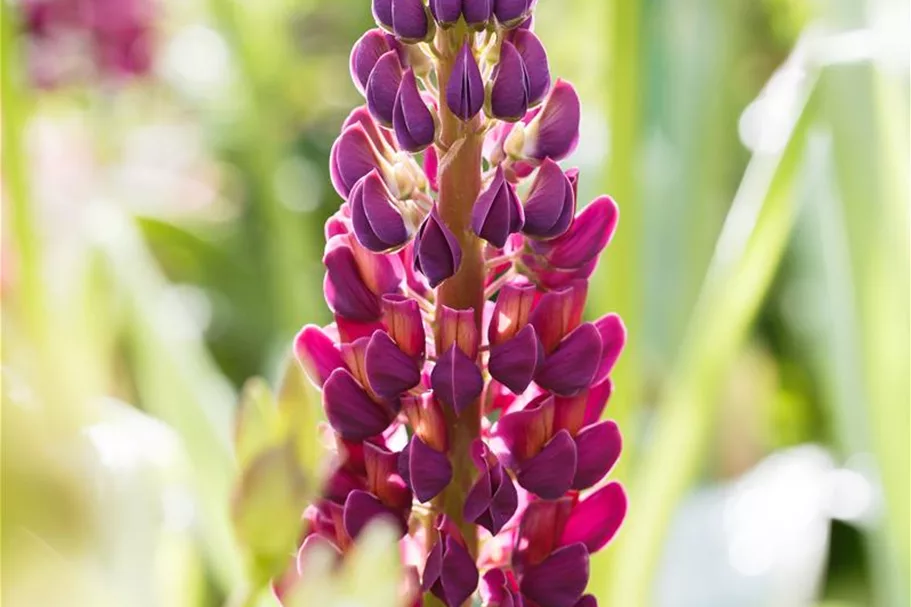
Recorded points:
(450, 572)
(350, 410)
(412, 120)
(383, 86)
(344, 289)
(571, 367)
(317, 354)
(560, 579)
(382, 12)
(554, 131)
(613, 338)
(589, 233)
(437, 252)
(492, 500)
(427, 469)
(362, 508)
(365, 53)
(410, 22)
(456, 379)
(513, 362)
(389, 371)
(477, 13)
(551, 202)
(534, 57)
(377, 223)
(497, 212)
(509, 89)
(597, 450)
(465, 88)
(446, 12)
(352, 156)
(510, 13)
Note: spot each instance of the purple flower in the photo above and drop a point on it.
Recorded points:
(412, 120)
(450, 572)
(497, 212)
(402, 321)
(427, 469)
(551, 202)
(409, 20)
(511, 12)
(513, 362)
(554, 131)
(534, 57)
(465, 89)
(446, 12)
(437, 252)
(365, 53)
(492, 500)
(509, 93)
(456, 379)
(382, 87)
(389, 371)
(353, 155)
(377, 223)
(589, 234)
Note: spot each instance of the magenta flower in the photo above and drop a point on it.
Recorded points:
(462, 385)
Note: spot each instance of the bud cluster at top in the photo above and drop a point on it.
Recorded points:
(398, 366)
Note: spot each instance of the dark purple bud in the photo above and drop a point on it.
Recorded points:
(352, 156)
(429, 470)
(511, 12)
(586, 238)
(376, 220)
(595, 520)
(570, 368)
(493, 499)
(403, 321)
(345, 291)
(446, 12)
(509, 96)
(534, 57)
(613, 338)
(465, 89)
(456, 379)
(513, 362)
(382, 12)
(437, 252)
(597, 450)
(412, 120)
(317, 354)
(409, 20)
(450, 572)
(560, 579)
(361, 508)
(477, 13)
(554, 131)
(551, 202)
(511, 312)
(364, 55)
(350, 410)
(497, 212)
(382, 88)
(550, 473)
(389, 371)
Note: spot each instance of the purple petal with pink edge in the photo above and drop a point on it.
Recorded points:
(349, 409)
(571, 367)
(377, 223)
(558, 313)
(459, 575)
(352, 156)
(550, 473)
(551, 193)
(554, 132)
(361, 508)
(403, 321)
(446, 12)
(430, 470)
(431, 167)
(587, 601)
(383, 86)
(509, 92)
(412, 120)
(465, 88)
(389, 371)
(613, 338)
(409, 20)
(513, 362)
(595, 520)
(458, 327)
(382, 12)
(560, 579)
(535, 59)
(317, 354)
(583, 242)
(526, 431)
(477, 12)
(497, 212)
(597, 448)
(539, 530)
(596, 402)
(456, 379)
(511, 312)
(381, 273)
(364, 55)
(346, 293)
(352, 330)
(511, 12)
(437, 252)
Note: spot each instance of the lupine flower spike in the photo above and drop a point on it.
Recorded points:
(464, 390)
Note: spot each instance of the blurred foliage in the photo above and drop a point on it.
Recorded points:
(161, 244)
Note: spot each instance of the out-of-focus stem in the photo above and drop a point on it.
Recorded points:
(460, 182)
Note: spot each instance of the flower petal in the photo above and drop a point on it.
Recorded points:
(456, 379)
(550, 473)
(560, 579)
(597, 449)
(595, 520)
(571, 367)
(389, 371)
(513, 362)
(317, 354)
(349, 409)
(429, 469)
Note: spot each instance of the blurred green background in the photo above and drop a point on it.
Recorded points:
(164, 187)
